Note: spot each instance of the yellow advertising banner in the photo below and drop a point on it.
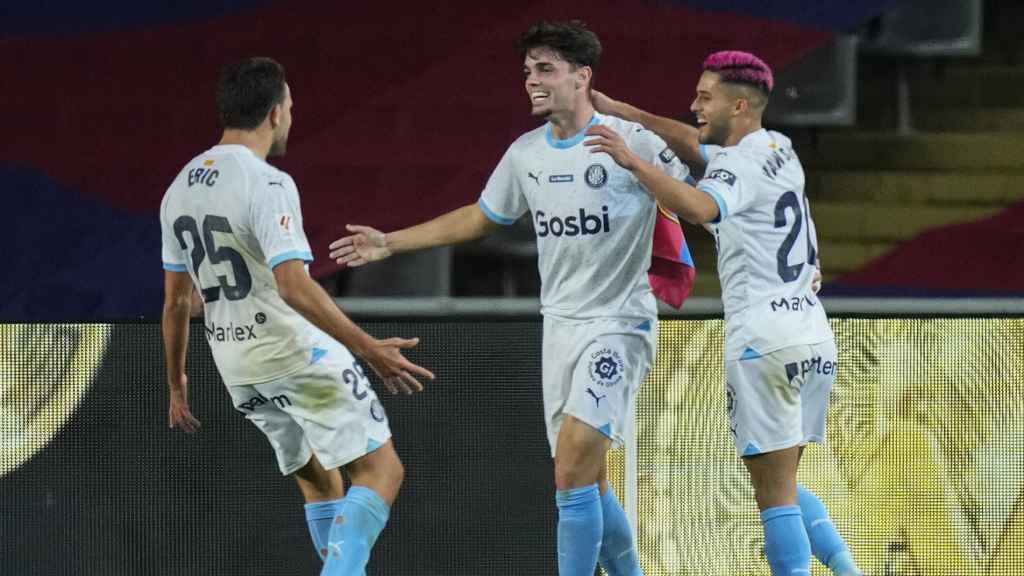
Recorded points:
(923, 472)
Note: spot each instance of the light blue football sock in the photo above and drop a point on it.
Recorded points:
(826, 543)
(785, 541)
(617, 556)
(355, 529)
(580, 525)
(319, 516)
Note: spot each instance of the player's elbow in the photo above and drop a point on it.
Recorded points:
(177, 302)
(699, 215)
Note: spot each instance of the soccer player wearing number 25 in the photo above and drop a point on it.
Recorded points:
(595, 226)
(780, 354)
(232, 225)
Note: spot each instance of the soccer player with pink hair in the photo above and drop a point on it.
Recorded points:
(780, 353)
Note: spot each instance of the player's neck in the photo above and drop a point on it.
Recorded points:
(254, 140)
(569, 123)
(742, 131)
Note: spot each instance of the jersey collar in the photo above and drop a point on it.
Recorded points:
(572, 140)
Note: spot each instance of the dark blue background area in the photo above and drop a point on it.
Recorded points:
(825, 15)
(73, 17)
(73, 258)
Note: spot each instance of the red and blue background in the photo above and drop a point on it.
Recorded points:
(401, 112)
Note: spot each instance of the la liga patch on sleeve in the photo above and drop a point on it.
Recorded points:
(284, 224)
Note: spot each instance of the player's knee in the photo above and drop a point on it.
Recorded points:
(574, 472)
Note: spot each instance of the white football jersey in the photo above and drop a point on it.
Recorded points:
(228, 219)
(767, 246)
(594, 221)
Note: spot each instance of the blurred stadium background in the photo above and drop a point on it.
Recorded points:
(907, 114)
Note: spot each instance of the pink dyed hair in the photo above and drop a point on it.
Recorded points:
(741, 67)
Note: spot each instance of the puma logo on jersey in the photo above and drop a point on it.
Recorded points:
(597, 399)
(536, 178)
(276, 183)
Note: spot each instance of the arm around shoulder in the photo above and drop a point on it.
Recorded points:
(679, 136)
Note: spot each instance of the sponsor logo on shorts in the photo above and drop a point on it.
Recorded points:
(560, 178)
(794, 304)
(596, 176)
(258, 400)
(815, 365)
(606, 367)
(377, 411)
(597, 399)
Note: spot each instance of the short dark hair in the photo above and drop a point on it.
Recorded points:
(247, 90)
(572, 41)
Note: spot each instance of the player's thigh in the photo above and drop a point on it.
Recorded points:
(819, 373)
(560, 349)
(334, 404)
(764, 404)
(286, 437)
(607, 375)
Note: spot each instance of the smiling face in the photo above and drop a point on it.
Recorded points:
(552, 83)
(714, 105)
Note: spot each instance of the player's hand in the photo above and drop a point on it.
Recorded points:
(608, 141)
(397, 372)
(604, 104)
(816, 280)
(364, 245)
(178, 414)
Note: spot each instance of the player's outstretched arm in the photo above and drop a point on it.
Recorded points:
(304, 295)
(367, 244)
(679, 136)
(174, 325)
(691, 204)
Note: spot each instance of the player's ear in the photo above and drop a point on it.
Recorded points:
(741, 106)
(583, 76)
(275, 115)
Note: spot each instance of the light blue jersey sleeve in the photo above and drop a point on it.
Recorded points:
(503, 199)
(723, 181)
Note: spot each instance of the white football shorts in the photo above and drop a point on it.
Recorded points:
(327, 408)
(779, 400)
(592, 371)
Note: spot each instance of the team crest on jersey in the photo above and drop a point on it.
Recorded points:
(667, 155)
(596, 176)
(723, 176)
(284, 224)
(606, 367)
